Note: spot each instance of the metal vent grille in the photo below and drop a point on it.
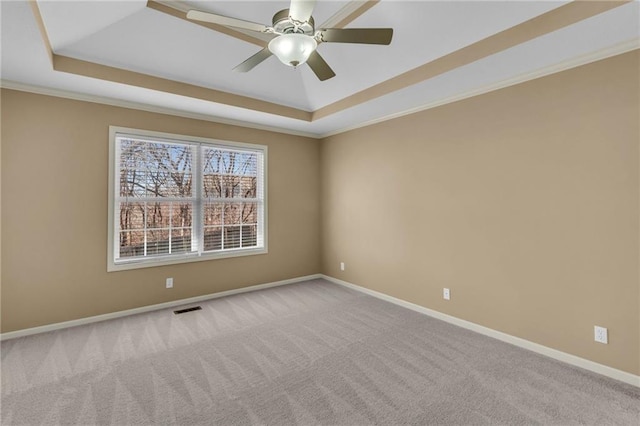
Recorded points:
(182, 311)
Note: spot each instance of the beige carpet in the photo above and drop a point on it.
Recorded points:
(308, 353)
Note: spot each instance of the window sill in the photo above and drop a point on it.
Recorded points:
(169, 260)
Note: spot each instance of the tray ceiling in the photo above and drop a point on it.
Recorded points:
(145, 54)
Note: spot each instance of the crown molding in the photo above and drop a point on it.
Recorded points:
(614, 50)
(560, 17)
(39, 90)
(617, 49)
(548, 22)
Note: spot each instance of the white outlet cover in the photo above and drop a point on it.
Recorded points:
(446, 294)
(601, 334)
(169, 282)
(342, 266)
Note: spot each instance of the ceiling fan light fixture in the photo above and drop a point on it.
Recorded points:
(293, 49)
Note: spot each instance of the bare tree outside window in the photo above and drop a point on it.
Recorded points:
(153, 179)
(161, 192)
(229, 190)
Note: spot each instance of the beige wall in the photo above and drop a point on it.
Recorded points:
(523, 201)
(54, 213)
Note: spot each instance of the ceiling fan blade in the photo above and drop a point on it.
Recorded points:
(198, 15)
(254, 60)
(320, 68)
(301, 10)
(356, 35)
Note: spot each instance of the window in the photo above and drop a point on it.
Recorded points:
(176, 199)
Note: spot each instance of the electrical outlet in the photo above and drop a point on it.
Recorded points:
(169, 282)
(601, 335)
(342, 266)
(446, 294)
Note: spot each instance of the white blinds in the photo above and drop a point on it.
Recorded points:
(183, 198)
(231, 197)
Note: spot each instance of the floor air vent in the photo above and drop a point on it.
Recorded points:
(182, 311)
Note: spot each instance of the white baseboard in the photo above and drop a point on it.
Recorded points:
(611, 372)
(595, 367)
(149, 308)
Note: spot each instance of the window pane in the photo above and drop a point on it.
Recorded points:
(229, 174)
(155, 169)
(231, 237)
(230, 186)
(131, 216)
(167, 183)
(181, 240)
(132, 154)
(248, 187)
(157, 156)
(232, 213)
(211, 186)
(216, 214)
(249, 213)
(133, 183)
(212, 238)
(249, 235)
(247, 164)
(158, 215)
(155, 181)
(182, 215)
(131, 243)
(179, 185)
(212, 161)
(157, 242)
(156, 210)
(213, 214)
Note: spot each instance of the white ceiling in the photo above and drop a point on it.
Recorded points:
(129, 35)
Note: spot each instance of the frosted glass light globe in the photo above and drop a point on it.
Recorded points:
(293, 49)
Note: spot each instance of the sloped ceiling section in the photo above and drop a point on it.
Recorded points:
(147, 54)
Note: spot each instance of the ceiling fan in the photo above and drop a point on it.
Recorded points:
(295, 38)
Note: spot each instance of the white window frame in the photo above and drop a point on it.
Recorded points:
(114, 264)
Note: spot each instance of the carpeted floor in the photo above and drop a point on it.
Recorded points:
(308, 353)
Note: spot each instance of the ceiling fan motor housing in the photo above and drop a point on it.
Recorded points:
(284, 24)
